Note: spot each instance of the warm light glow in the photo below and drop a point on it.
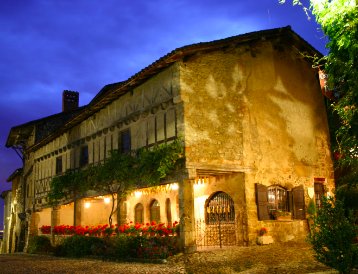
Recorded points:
(199, 207)
(310, 191)
(138, 194)
(107, 200)
(175, 186)
(87, 204)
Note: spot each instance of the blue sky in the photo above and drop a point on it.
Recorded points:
(47, 46)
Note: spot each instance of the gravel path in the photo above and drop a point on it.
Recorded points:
(275, 258)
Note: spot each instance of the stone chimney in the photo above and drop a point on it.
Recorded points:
(70, 100)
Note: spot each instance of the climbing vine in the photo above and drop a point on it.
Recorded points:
(120, 173)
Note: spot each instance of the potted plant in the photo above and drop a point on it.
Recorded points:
(264, 238)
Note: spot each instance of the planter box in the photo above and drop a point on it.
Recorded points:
(284, 218)
(264, 240)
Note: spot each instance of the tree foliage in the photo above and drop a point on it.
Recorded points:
(332, 236)
(119, 173)
(334, 226)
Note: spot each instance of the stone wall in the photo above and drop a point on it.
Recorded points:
(257, 109)
(213, 109)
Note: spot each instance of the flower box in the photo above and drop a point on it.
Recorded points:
(284, 218)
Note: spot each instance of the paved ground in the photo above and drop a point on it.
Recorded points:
(275, 258)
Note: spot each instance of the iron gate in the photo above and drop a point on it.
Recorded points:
(220, 227)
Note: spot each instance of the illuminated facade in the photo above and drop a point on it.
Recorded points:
(254, 128)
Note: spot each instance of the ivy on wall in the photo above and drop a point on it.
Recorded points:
(119, 173)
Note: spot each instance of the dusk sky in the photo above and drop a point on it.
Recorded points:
(47, 46)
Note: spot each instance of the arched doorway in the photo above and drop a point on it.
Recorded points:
(220, 226)
(219, 208)
(155, 211)
(138, 214)
(168, 210)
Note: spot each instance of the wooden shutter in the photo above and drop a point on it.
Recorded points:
(298, 197)
(262, 202)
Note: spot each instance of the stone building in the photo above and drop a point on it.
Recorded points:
(253, 123)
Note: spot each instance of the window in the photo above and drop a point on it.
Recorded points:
(58, 165)
(155, 211)
(277, 199)
(124, 141)
(220, 209)
(84, 156)
(138, 214)
(168, 211)
(273, 199)
(318, 194)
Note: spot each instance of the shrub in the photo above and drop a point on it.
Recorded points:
(117, 247)
(333, 235)
(80, 246)
(124, 247)
(39, 244)
(156, 247)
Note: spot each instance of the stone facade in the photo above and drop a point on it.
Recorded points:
(249, 111)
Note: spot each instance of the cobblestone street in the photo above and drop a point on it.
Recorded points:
(275, 258)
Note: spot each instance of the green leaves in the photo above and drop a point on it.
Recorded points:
(120, 172)
(333, 235)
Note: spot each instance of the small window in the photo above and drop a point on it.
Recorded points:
(138, 214)
(155, 211)
(58, 165)
(124, 141)
(277, 199)
(318, 194)
(84, 156)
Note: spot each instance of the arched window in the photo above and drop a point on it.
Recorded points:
(138, 214)
(220, 208)
(168, 211)
(155, 211)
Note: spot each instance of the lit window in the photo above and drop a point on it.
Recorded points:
(277, 198)
(275, 201)
(318, 194)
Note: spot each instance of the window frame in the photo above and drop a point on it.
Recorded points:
(124, 141)
(319, 193)
(84, 156)
(295, 202)
(59, 165)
